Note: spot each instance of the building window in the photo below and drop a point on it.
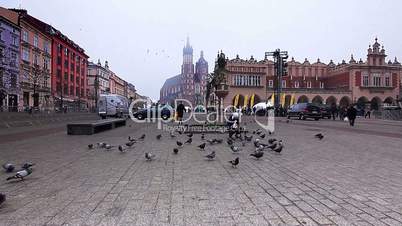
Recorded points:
(283, 83)
(25, 36)
(65, 76)
(59, 60)
(45, 46)
(65, 52)
(296, 84)
(308, 84)
(35, 59)
(387, 81)
(58, 74)
(321, 85)
(365, 80)
(25, 54)
(270, 83)
(35, 41)
(376, 80)
(15, 41)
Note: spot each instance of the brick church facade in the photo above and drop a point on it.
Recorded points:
(190, 83)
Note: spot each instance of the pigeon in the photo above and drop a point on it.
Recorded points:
(27, 165)
(180, 144)
(130, 144)
(218, 141)
(211, 141)
(257, 142)
(269, 132)
(202, 146)
(235, 149)
(131, 139)
(287, 120)
(159, 136)
(121, 149)
(257, 154)
(8, 167)
(319, 136)
(149, 156)
(90, 146)
(250, 138)
(108, 147)
(234, 162)
(190, 135)
(271, 140)
(2, 198)
(180, 132)
(202, 136)
(258, 132)
(189, 141)
(175, 150)
(262, 136)
(231, 133)
(211, 155)
(172, 135)
(142, 137)
(259, 148)
(101, 145)
(21, 174)
(230, 142)
(279, 148)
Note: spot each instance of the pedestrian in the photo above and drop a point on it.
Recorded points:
(180, 111)
(368, 113)
(351, 113)
(333, 111)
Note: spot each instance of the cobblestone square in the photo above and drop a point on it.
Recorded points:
(351, 177)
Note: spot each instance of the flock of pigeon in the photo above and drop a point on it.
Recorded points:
(26, 169)
(235, 135)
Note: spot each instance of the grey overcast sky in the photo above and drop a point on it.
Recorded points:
(122, 32)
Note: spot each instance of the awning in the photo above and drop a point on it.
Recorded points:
(252, 100)
(236, 100)
(245, 101)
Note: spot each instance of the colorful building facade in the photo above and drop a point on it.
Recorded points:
(370, 84)
(9, 62)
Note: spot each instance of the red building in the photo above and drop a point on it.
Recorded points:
(69, 71)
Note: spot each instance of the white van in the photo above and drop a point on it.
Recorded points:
(112, 105)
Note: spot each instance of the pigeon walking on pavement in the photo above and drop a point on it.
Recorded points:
(142, 137)
(8, 167)
(131, 139)
(271, 140)
(121, 149)
(130, 144)
(202, 136)
(235, 149)
(189, 141)
(257, 154)
(27, 165)
(202, 146)
(229, 142)
(21, 174)
(262, 136)
(179, 144)
(90, 146)
(190, 135)
(175, 150)
(319, 136)
(149, 156)
(234, 162)
(210, 156)
(159, 136)
(2, 198)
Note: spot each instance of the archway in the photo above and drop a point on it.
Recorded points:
(330, 100)
(302, 99)
(317, 100)
(375, 103)
(238, 100)
(288, 98)
(345, 101)
(389, 101)
(362, 102)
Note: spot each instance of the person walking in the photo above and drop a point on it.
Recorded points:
(333, 111)
(368, 113)
(351, 113)
(180, 111)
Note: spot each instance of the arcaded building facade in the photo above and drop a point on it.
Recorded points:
(371, 83)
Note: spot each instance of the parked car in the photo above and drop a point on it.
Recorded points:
(153, 112)
(304, 111)
(325, 111)
(112, 105)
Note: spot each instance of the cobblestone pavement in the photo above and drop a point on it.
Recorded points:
(351, 177)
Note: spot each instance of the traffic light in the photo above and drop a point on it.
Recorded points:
(284, 66)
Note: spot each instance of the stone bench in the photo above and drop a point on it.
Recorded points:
(89, 128)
